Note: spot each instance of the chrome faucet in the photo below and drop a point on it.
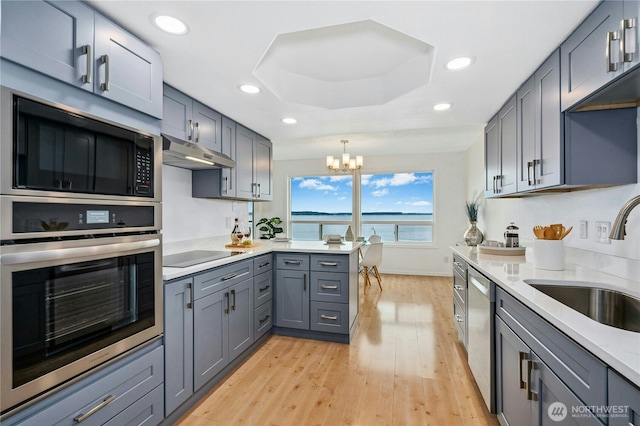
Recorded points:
(617, 230)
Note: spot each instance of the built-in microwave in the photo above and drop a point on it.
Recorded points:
(52, 150)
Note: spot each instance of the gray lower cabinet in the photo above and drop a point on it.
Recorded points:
(127, 392)
(208, 323)
(624, 398)
(292, 291)
(542, 377)
(70, 42)
(262, 295)
(460, 298)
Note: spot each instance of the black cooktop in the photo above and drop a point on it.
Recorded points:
(190, 258)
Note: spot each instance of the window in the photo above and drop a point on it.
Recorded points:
(398, 206)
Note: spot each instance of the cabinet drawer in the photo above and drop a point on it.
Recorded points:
(460, 266)
(147, 411)
(460, 289)
(221, 278)
(262, 263)
(262, 288)
(460, 320)
(329, 263)
(329, 287)
(583, 373)
(135, 377)
(292, 261)
(262, 320)
(329, 317)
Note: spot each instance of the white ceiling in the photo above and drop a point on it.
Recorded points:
(229, 39)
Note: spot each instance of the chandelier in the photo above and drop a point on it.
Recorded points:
(347, 164)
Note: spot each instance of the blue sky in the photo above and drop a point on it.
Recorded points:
(404, 192)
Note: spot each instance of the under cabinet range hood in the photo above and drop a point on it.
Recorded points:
(187, 155)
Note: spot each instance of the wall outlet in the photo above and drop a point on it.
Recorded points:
(602, 232)
(584, 229)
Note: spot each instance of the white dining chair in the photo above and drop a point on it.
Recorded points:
(375, 238)
(372, 258)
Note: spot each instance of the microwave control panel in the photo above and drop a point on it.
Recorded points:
(144, 172)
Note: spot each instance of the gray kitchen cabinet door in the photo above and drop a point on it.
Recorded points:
(210, 336)
(228, 148)
(55, 38)
(178, 343)
(631, 34)
(625, 395)
(526, 137)
(292, 299)
(491, 157)
(126, 71)
(512, 406)
(177, 112)
(263, 168)
(584, 60)
(207, 127)
(240, 318)
(245, 151)
(507, 135)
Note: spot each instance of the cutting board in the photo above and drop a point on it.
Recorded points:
(239, 246)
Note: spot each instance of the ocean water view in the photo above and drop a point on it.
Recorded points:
(313, 225)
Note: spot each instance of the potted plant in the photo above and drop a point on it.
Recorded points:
(473, 236)
(269, 227)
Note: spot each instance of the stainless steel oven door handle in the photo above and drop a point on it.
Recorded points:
(67, 253)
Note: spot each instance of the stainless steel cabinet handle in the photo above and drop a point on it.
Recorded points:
(459, 318)
(226, 185)
(262, 265)
(108, 400)
(536, 164)
(458, 287)
(522, 356)
(265, 288)
(612, 63)
(531, 396)
(190, 129)
(328, 263)
(233, 293)
(458, 264)
(529, 170)
(494, 184)
(293, 262)
(105, 60)
(197, 132)
(304, 279)
(226, 296)
(259, 191)
(265, 319)
(228, 277)
(327, 317)
(190, 303)
(329, 287)
(628, 40)
(86, 49)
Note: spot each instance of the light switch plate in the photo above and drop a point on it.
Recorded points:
(584, 229)
(602, 232)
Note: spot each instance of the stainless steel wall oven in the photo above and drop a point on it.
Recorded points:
(80, 246)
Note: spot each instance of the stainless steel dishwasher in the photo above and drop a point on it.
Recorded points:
(481, 308)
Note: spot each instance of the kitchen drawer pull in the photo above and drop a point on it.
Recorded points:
(190, 302)
(459, 318)
(327, 317)
(265, 288)
(522, 356)
(531, 396)
(529, 170)
(265, 319)
(459, 265)
(190, 130)
(293, 262)
(86, 49)
(197, 125)
(226, 296)
(328, 263)
(458, 287)
(233, 293)
(329, 287)
(259, 191)
(628, 40)
(262, 265)
(82, 417)
(612, 64)
(304, 279)
(229, 277)
(226, 184)
(105, 60)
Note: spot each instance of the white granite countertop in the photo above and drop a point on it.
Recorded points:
(620, 349)
(265, 247)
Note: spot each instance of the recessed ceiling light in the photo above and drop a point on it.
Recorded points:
(459, 63)
(169, 24)
(250, 88)
(289, 120)
(442, 107)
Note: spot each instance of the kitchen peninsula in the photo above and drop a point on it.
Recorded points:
(217, 313)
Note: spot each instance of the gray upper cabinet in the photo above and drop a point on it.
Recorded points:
(189, 120)
(228, 147)
(254, 165)
(591, 55)
(631, 34)
(539, 128)
(70, 42)
(500, 152)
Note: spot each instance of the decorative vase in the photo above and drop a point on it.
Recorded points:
(348, 236)
(473, 236)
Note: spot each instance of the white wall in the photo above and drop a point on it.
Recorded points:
(449, 197)
(620, 258)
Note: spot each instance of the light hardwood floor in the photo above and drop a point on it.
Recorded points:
(404, 366)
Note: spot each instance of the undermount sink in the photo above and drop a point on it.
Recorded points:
(606, 306)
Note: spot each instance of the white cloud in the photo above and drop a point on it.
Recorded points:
(398, 179)
(380, 192)
(316, 184)
(340, 178)
(364, 180)
(415, 203)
